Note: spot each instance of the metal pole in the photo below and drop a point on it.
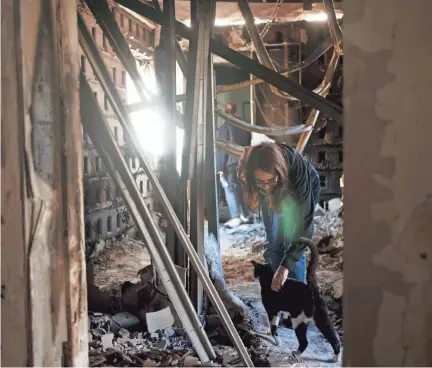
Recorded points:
(230, 147)
(180, 56)
(258, 43)
(274, 131)
(172, 179)
(251, 95)
(100, 134)
(202, 20)
(101, 72)
(211, 194)
(313, 115)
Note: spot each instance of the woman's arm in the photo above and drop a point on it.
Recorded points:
(297, 223)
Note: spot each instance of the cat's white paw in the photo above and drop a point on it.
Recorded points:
(335, 358)
(297, 352)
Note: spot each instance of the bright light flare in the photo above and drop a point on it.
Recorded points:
(319, 16)
(224, 22)
(148, 123)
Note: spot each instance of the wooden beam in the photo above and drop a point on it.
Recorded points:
(44, 299)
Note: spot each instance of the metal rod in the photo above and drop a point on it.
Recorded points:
(197, 72)
(230, 147)
(201, 20)
(100, 134)
(258, 43)
(211, 185)
(180, 56)
(251, 96)
(273, 131)
(92, 54)
(313, 115)
(335, 29)
(253, 67)
(170, 111)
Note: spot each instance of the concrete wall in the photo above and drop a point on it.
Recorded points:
(388, 183)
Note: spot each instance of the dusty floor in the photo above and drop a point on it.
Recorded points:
(121, 261)
(236, 251)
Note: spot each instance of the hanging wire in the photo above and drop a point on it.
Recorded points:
(273, 16)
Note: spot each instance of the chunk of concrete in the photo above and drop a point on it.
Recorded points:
(124, 333)
(159, 320)
(191, 361)
(107, 340)
(169, 332)
(334, 204)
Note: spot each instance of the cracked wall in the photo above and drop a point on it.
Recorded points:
(388, 183)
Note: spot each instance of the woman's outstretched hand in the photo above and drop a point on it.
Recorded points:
(279, 278)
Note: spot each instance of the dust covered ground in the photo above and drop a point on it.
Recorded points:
(245, 243)
(117, 262)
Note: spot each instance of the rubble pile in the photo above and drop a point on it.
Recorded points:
(330, 269)
(123, 338)
(112, 345)
(241, 237)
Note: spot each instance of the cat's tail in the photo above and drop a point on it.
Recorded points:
(313, 264)
(321, 315)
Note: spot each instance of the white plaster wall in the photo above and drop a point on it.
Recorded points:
(388, 183)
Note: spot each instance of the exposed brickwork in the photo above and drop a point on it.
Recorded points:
(104, 211)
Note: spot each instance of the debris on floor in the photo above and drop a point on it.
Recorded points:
(330, 268)
(118, 262)
(123, 281)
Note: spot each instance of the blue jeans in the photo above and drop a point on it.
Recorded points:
(275, 242)
(234, 193)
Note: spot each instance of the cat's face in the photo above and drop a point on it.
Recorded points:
(262, 270)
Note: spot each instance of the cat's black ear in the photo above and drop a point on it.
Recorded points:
(254, 263)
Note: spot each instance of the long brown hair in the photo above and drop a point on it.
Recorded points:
(268, 157)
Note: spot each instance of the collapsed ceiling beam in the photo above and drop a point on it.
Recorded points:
(294, 67)
(230, 147)
(334, 27)
(314, 113)
(243, 62)
(258, 43)
(273, 131)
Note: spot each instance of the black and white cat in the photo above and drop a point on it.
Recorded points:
(300, 302)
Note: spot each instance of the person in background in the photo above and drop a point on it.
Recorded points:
(286, 187)
(226, 165)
